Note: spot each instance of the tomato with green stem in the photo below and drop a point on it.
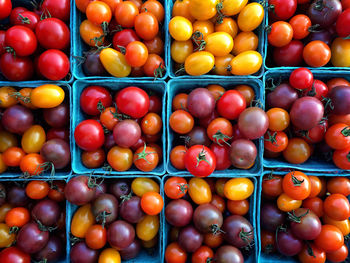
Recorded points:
(297, 185)
(220, 131)
(338, 136)
(200, 161)
(175, 187)
(146, 158)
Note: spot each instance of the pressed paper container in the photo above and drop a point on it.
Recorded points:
(114, 85)
(176, 86)
(313, 164)
(253, 256)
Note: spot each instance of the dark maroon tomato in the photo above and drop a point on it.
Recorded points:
(81, 253)
(58, 133)
(340, 97)
(190, 239)
(207, 219)
(28, 19)
(120, 188)
(305, 224)
(238, 231)
(89, 135)
(120, 234)
(13, 254)
(123, 38)
(155, 104)
(16, 196)
(290, 55)
(80, 190)
(22, 40)
(179, 212)
(243, 153)
(57, 117)
(323, 35)
(109, 141)
(318, 90)
(140, 143)
(253, 123)
(283, 96)
(92, 96)
(16, 68)
(200, 103)
(53, 64)
(287, 244)
(105, 208)
(56, 151)
(92, 65)
(271, 217)
(131, 251)
(57, 8)
(306, 113)
(197, 136)
(53, 250)
(47, 212)
(2, 194)
(222, 154)
(17, 119)
(204, 122)
(228, 254)
(282, 9)
(101, 188)
(126, 133)
(237, 134)
(325, 12)
(31, 239)
(130, 209)
(53, 33)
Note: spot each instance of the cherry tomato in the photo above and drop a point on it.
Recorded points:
(278, 119)
(175, 187)
(142, 185)
(220, 131)
(89, 135)
(315, 186)
(32, 164)
(109, 255)
(120, 159)
(337, 207)
(125, 14)
(287, 204)
(240, 207)
(96, 237)
(272, 185)
(47, 96)
(93, 159)
(203, 10)
(57, 8)
(199, 63)
(315, 204)
(330, 238)
(7, 140)
(12, 156)
(123, 38)
(297, 151)
(204, 27)
(281, 34)
(148, 227)
(151, 124)
(82, 220)
(37, 189)
(318, 255)
(340, 52)
(301, 78)
(199, 191)
(338, 255)
(344, 225)
(6, 239)
(53, 64)
(17, 217)
(342, 22)
(91, 33)
(22, 40)
(56, 192)
(146, 25)
(297, 185)
(33, 139)
(238, 189)
(152, 203)
(154, 66)
(146, 159)
(175, 254)
(16, 68)
(136, 54)
(177, 157)
(52, 33)
(219, 43)
(245, 41)
(338, 136)
(115, 63)
(13, 254)
(6, 7)
(200, 161)
(202, 255)
(98, 12)
(6, 100)
(275, 141)
(181, 121)
(154, 7)
(316, 53)
(222, 65)
(228, 25)
(231, 104)
(180, 50)
(300, 24)
(222, 154)
(246, 63)
(339, 185)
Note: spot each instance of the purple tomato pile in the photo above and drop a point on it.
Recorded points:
(309, 32)
(34, 129)
(123, 130)
(35, 43)
(215, 128)
(125, 36)
(305, 216)
(209, 219)
(32, 221)
(115, 219)
(307, 115)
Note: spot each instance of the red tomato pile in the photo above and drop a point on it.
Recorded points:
(309, 32)
(310, 218)
(35, 43)
(122, 214)
(307, 115)
(43, 145)
(211, 217)
(129, 132)
(32, 221)
(132, 28)
(216, 126)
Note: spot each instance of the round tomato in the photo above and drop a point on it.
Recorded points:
(199, 191)
(93, 98)
(240, 207)
(200, 161)
(180, 102)
(22, 40)
(301, 78)
(133, 101)
(175, 254)
(6, 238)
(125, 14)
(180, 50)
(13, 254)
(282, 9)
(53, 64)
(52, 33)
(316, 53)
(91, 34)
(222, 154)
(275, 141)
(316, 186)
(330, 238)
(338, 255)
(297, 151)
(96, 237)
(315, 204)
(177, 157)
(17, 217)
(342, 24)
(146, 25)
(340, 49)
(6, 7)
(136, 54)
(16, 68)
(123, 38)
(272, 185)
(89, 135)
(297, 185)
(339, 185)
(93, 159)
(109, 255)
(337, 207)
(280, 34)
(231, 104)
(154, 66)
(301, 25)
(338, 136)
(202, 255)
(98, 12)
(12, 156)
(151, 124)
(120, 159)
(146, 158)
(37, 189)
(238, 189)
(181, 121)
(155, 7)
(152, 203)
(220, 131)
(278, 119)
(175, 187)
(57, 8)
(317, 256)
(32, 164)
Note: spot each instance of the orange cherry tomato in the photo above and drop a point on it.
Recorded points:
(155, 7)
(98, 12)
(287, 204)
(281, 34)
(175, 187)
(181, 121)
(151, 123)
(180, 102)
(136, 54)
(17, 217)
(317, 53)
(228, 25)
(177, 157)
(278, 119)
(218, 202)
(238, 207)
(32, 164)
(13, 156)
(37, 189)
(216, 90)
(93, 159)
(315, 204)
(182, 8)
(301, 25)
(247, 92)
(125, 13)
(96, 237)
(152, 203)
(297, 185)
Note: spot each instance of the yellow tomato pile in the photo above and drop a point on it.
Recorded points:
(217, 36)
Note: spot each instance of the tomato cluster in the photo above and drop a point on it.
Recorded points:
(44, 145)
(129, 131)
(307, 115)
(122, 213)
(215, 36)
(35, 43)
(132, 28)
(309, 32)
(32, 221)
(214, 220)
(214, 129)
(309, 219)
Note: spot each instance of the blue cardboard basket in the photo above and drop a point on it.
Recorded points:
(253, 257)
(61, 173)
(313, 164)
(69, 78)
(176, 86)
(261, 49)
(276, 257)
(114, 85)
(143, 257)
(78, 46)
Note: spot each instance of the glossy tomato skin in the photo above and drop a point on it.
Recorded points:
(13, 254)
(206, 164)
(231, 104)
(283, 10)
(89, 135)
(342, 22)
(243, 153)
(233, 226)
(57, 8)
(80, 252)
(16, 69)
(306, 113)
(22, 40)
(52, 33)
(29, 16)
(271, 217)
(222, 154)
(54, 64)
(288, 244)
(91, 96)
(133, 101)
(31, 239)
(290, 55)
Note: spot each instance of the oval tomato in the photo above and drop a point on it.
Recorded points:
(47, 96)
(115, 63)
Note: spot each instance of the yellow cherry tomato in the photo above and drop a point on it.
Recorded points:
(3, 166)
(222, 65)
(6, 239)
(82, 220)
(180, 50)
(7, 140)
(115, 63)
(203, 9)
(287, 204)
(147, 228)
(245, 41)
(142, 185)
(109, 255)
(199, 63)
(33, 139)
(250, 17)
(228, 25)
(199, 191)
(3, 211)
(47, 96)
(219, 43)
(6, 100)
(246, 63)
(182, 8)
(180, 28)
(232, 7)
(91, 34)
(340, 52)
(206, 27)
(237, 189)
(344, 226)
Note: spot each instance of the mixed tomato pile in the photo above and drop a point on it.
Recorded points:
(305, 216)
(35, 44)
